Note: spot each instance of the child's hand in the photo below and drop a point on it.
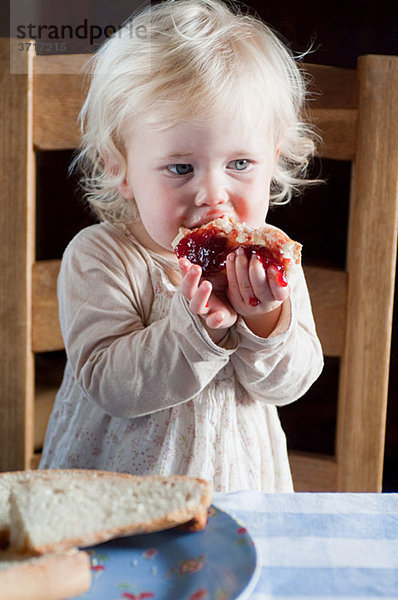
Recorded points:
(255, 293)
(216, 313)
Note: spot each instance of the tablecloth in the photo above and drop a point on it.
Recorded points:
(321, 546)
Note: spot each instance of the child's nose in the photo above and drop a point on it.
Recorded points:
(211, 191)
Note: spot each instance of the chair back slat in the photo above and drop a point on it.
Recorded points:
(46, 332)
(313, 471)
(58, 96)
(333, 108)
(60, 88)
(328, 291)
(338, 130)
(332, 87)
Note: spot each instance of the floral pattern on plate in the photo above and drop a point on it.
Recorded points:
(217, 563)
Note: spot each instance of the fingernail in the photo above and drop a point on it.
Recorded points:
(231, 257)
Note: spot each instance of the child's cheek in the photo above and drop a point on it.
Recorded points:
(253, 215)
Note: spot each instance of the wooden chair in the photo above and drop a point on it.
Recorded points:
(357, 115)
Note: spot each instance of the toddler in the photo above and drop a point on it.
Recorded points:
(193, 113)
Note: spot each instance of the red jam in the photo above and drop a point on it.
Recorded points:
(254, 301)
(205, 248)
(210, 250)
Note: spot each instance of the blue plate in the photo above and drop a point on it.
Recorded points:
(217, 563)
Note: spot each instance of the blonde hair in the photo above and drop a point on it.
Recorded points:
(183, 60)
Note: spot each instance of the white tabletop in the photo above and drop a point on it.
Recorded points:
(321, 546)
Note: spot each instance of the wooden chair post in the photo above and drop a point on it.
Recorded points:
(17, 222)
(371, 268)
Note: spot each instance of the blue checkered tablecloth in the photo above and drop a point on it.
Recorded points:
(321, 546)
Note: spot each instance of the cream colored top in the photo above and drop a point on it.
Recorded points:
(145, 389)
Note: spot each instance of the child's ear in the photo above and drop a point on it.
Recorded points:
(125, 190)
(112, 169)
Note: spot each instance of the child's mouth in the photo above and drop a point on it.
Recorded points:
(209, 216)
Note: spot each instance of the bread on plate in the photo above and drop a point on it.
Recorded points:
(48, 577)
(46, 515)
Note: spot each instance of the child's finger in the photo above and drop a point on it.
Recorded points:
(184, 265)
(215, 320)
(233, 286)
(190, 281)
(279, 292)
(242, 275)
(199, 303)
(258, 280)
(223, 317)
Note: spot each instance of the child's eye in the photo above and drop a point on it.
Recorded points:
(180, 169)
(238, 165)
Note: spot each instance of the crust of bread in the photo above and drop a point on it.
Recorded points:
(279, 243)
(198, 523)
(49, 577)
(172, 517)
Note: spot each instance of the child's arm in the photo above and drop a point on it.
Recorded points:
(279, 369)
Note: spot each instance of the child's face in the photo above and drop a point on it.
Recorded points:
(192, 173)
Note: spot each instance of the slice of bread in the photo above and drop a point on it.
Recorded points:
(10, 478)
(55, 511)
(48, 577)
(210, 244)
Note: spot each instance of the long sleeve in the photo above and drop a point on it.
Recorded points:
(127, 367)
(281, 368)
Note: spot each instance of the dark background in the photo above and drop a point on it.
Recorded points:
(337, 33)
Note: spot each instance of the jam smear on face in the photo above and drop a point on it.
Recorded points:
(210, 250)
